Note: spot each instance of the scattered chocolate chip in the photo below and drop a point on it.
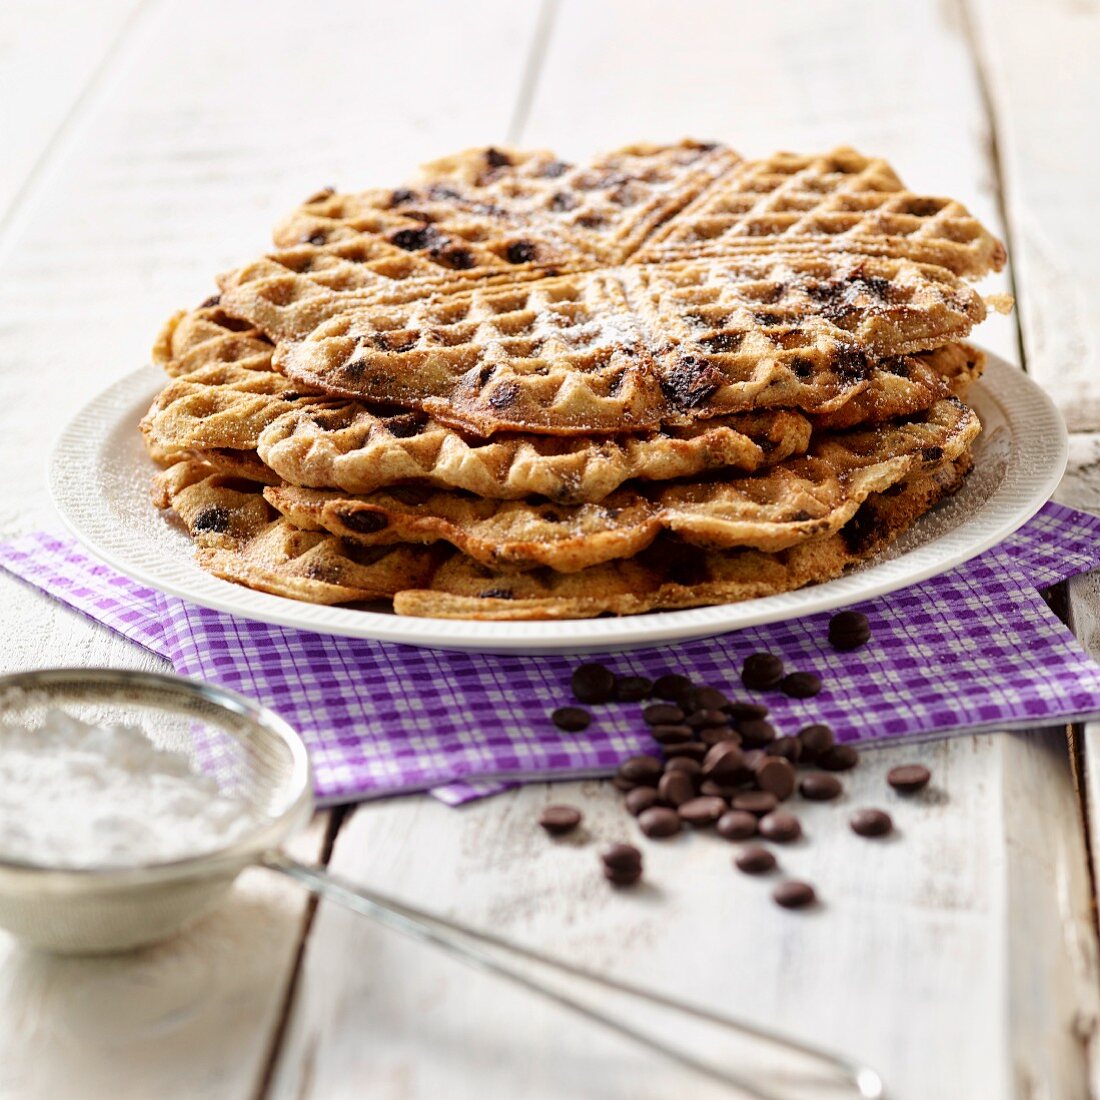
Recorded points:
(780, 826)
(694, 749)
(800, 685)
(622, 878)
(671, 735)
(685, 764)
(659, 821)
(747, 712)
(712, 735)
(794, 895)
(908, 778)
(621, 857)
(736, 825)
(557, 820)
(790, 748)
(461, 259)
(593, 683)
(401, 196)
(676, 787)
(724, 762)
(839, 758)
(621, 784)
(641, 769)
(571, 719)
(761, 671)
(776, 776)
(662, 714)
(755, 732)
(700, 719)
(709, 699)
(702, 811)
(631, 689)
(496, 159)
(757, 803)
(640, 799)
(719, 790)
(412, 240)
(755, 860)
(868, 822)
(849, 630)
(671, 686)
(815, 740)
(820, 787)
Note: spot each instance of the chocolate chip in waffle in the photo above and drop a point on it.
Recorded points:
(670, 574)
(802, 498)
(841, 201)
(240, 537)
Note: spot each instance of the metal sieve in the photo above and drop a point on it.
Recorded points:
(255, 756)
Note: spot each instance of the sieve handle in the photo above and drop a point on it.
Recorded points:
(497, 955)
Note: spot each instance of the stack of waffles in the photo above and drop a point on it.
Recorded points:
(519, 388)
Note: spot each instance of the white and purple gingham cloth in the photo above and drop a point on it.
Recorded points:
(976, 647)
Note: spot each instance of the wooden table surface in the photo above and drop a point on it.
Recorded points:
(149, 145)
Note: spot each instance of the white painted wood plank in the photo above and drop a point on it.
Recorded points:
(212, 120)
(1040, 59)
(895, 80)
(49, 51)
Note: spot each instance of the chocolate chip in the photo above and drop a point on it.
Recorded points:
(800, 685)
(630, 689)
(621, 857)
(702, 811)
(736, 825)
(776, 776)
(696, 750)
(839, 758)
(412, 240)
(712, 735)
(624, 785)
(719, 790)
(214, 518)
(571, 719)
(559, 819)
(662, 714)
(640, 799)
(790, 748)
(622, 878)
(685, 764)
(724, 762)
(672, 686)
(815, 740)
(849, 630)
(659, 821)
(641, 769)
(756, 732)
(820, 787)
(461, 259)
(496, 159)
(520, 252)
(676, 787)
(745, 712)
(761, 671)
(780, 826)
(593, 683)
(701, 719)
(794, 895)
(709, 699)
(401, 196)
(869, 822)
(755, 860)
(908, 778)
(671, 735)
(757, 803)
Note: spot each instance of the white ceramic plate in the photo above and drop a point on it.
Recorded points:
(99, 478)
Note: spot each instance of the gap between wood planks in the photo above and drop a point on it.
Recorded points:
(337, 816)
(71, 117)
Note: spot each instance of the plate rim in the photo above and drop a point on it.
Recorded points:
(1029, 481)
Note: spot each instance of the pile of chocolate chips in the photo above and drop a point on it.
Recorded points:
(719, 763)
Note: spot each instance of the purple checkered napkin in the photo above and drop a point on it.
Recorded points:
(976, 647)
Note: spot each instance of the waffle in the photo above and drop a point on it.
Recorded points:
(238, 536)
(841, 201)
(802, 498)
(207, 336)
(670, 574)
(592, 353)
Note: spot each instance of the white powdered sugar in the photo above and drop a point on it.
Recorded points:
(76, 795)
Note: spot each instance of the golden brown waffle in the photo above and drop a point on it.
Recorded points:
(593, 352)
(842, 201)
(799, 499)
(670, 574)
(241, 538)
(193, 339)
